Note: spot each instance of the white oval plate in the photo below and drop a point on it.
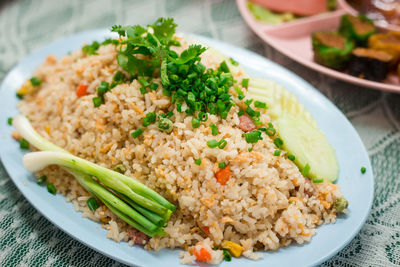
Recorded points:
(357, 187)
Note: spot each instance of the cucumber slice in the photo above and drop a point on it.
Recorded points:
(309, 146)
(278, 99)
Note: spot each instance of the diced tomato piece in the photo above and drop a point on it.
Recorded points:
(202, 254)
(206, 230)
(223, 175)
(82, 90)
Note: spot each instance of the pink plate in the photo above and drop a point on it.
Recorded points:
(294, 40)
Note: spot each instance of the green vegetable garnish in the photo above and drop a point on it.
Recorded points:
(252, 137)
(9, 121)
(195, 122)
(51, 189)
(197, 162)
(149, 119)
(222, 165)
(41, 180)
(259, 104)
(222, 143)
(97, 101)
(245, 82)
(23, 143)
(121, 168)
(363, 170)
(35, 81)
(137, 133)
(214, 129)
(92, 204)
(291, 157)
(91, 49)
(227, 255)
(19, 96)
(165, 125)
(233, 62)
(212, 143)
(203, 116)
(278, 142)
(277, 152)
(317, 180)
(305, 170)
(340, 204)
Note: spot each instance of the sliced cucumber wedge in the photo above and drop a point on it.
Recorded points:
(308, 145)
(278, 99)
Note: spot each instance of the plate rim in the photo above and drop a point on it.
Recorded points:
(101, 33)
(249, 20)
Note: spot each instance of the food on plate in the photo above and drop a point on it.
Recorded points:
(171, 115)
(382, 12)
(331, 49)
(388, 42)
(369, 64)
(276, 11)
(345, 49)
(357, 28)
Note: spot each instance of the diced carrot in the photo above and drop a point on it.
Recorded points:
(206, 230)
(202, 254)
(81, 90)
(223, 175)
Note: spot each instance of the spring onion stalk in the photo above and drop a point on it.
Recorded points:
(35, 161)
(135, 203)
(113, 203)
(23, 126)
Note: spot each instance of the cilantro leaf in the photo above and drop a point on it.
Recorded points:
(164, 29)
(91, 49)
(192, 53)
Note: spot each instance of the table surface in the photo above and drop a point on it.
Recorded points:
(28, 239)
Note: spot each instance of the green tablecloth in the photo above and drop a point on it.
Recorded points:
(28, 239)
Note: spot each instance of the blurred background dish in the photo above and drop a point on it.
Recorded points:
(290, 33)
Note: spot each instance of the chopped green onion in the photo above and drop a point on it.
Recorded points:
(197, 162)
(19, 96)
(252, 137)
(143, 82)
(224, 67)
(222, 165)
(92, 204)
(121, 168)
(227, 255)
(137, 133)
(233, 62)
(270, 131)
(35, 81)
(305, 170)
(278, 142)
(248, 102)
(316, 180)
(222, 143)
(212, 143)
(103, 88)
(277, 153)
(9, 121)
(97, 101)
(240, 113)
(250, 149)
(143, 90)
(23, 144)
(291, 157)
(259, 104)
(363, 170)
(203, 116)
(245, 83)
(41, 180)
(214, 129)
(195, 122)
(149, 119)
(165, 125)
(153, 86)
(51, 189)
